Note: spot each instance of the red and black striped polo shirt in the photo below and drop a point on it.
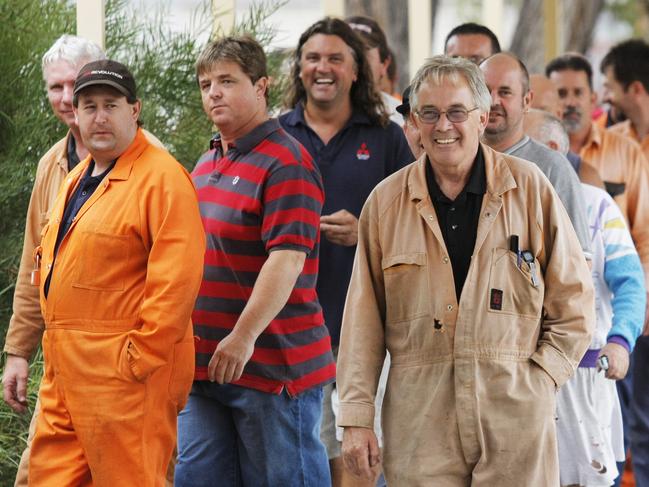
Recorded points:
(264, 194)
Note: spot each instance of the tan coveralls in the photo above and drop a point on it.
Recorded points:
(471, 391)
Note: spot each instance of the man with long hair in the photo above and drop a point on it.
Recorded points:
(337, 114)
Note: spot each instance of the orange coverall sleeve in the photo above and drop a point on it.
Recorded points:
(171, 222)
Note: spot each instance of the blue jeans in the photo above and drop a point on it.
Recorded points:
(635, 410)
(235, 436)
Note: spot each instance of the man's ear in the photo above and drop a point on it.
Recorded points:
(527, 100)
(637, 88)
(136, 108)
(261, 86)
(553, 145)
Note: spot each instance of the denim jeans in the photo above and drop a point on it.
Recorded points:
(235, 436)
(635, 409)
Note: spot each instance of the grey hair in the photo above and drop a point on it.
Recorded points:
(72, 49)
(549, 130)
(445, 68)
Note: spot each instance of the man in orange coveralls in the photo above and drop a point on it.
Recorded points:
(120, 267)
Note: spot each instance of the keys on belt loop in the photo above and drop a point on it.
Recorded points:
(35, 278)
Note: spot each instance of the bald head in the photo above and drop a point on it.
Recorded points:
(508, 82)
(505, 63)
(546, 97)
(547, 129)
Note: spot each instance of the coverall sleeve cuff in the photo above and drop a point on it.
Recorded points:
(11, 350)
(355, 414)
(554, 363)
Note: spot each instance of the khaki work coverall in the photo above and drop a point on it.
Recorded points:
(118, 343)
(470, 396)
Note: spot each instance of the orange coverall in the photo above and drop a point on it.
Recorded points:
(118, 341)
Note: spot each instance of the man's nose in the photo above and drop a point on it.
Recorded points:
(68, 91)
(215, 91)
(101, 115)
(323, 64)
(443, 124)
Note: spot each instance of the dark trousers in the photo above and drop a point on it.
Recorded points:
(634, 399)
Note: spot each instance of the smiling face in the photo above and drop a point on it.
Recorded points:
(449, 144)
(509, 102)
(107, 122)
(616, 94)
(231, 100)
(59, 82)
(327, 70)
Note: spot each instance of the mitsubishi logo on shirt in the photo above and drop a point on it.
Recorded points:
(363, 154)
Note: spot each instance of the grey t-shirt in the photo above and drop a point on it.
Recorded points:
(564, 179)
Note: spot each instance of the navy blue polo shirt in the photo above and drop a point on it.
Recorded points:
(354, 161)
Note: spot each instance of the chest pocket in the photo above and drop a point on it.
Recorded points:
(511, 288)
(407, 291)
(100, 267)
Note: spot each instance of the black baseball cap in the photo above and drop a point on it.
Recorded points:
(404, 108)
(109, 73)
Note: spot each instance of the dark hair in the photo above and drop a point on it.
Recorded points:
(363, 96)
(473, 28)
(571, 61)
(370, 31)
(630, 62)
(242, 50)
(392, 67)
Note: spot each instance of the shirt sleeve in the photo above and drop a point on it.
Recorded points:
(568, 188)
(172, 230)
(26, 325)
(292, 203)
(362, 342)
(623, 275)
(637, 191)
(568, 302)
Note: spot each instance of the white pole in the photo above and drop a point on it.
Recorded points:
(334, 8)
(91, 21)
(419, 33)
(493, 12)
(223, 12)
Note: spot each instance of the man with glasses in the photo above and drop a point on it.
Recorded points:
(482, 297)
(508, 82)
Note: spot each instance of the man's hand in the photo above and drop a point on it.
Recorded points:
(230, 357)
(14, 382)
(340, 228)
(361, 452)
(618, 360)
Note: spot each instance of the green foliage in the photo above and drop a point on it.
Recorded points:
(162, 60)
(632, 12)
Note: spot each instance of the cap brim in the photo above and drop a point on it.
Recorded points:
(97, 82)
(403, 109)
